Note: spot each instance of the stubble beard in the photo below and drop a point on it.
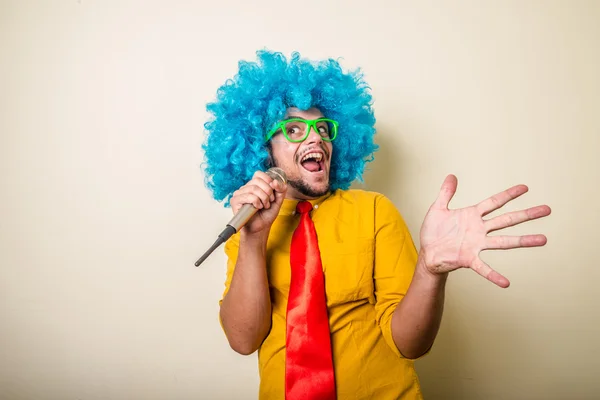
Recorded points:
(303, 188)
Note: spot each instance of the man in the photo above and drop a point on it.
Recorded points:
(381, 299)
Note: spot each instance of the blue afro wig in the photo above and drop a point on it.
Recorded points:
(251, 103)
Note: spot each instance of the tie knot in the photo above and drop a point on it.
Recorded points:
(303, 207)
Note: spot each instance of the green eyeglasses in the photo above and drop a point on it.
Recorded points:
(297, 129)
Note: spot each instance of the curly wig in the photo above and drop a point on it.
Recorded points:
(251, 103)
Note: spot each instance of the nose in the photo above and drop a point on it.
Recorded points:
(313, 136)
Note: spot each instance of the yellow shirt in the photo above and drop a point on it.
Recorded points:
(368, 259)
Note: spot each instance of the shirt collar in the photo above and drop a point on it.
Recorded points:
(289, 205)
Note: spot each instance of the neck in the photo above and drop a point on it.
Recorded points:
(293, 194)
(299, 190)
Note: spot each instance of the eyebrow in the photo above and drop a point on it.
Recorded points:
(293, 116)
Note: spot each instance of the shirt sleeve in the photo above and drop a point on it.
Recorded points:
(232, 247)
(395, 262)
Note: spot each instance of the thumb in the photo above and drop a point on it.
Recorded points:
(447, 191)
(279, 190)
(280, 194)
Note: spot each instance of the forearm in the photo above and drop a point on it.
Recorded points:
(246, 309)
(417, 318)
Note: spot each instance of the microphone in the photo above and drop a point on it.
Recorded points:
(241, 217)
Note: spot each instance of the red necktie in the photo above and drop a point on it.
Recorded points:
(308, 362)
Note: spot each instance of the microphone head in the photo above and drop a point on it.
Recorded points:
(278, 174)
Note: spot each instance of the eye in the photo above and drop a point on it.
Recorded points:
(293, 130)
(323, 130)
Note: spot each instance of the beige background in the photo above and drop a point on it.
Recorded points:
(103, 208)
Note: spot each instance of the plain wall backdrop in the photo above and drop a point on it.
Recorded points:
(104, 210)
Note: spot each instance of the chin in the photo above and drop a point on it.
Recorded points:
(309, 190)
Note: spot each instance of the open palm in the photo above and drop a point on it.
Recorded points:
(452, 239)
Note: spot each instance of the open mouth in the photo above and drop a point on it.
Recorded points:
(312, 162)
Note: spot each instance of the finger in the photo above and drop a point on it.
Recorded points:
(262, 175)
(446, 192)
(279, 197)
(264, 181)
(498, 200)
(514, 242)
(278, 186)
(259, 182)
(517, 217)
(488, 273)
(246, 198)
(252, 194)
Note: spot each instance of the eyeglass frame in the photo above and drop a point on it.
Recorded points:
(310, 123)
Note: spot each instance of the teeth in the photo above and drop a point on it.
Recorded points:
(316, 156)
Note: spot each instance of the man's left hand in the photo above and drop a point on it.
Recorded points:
(452, 239)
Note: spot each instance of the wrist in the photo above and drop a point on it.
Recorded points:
(428, 271)
(254, 238)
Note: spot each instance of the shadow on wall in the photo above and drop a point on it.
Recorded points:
(392, 173)
(441, 372)
(381, 173)
(474, 347)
